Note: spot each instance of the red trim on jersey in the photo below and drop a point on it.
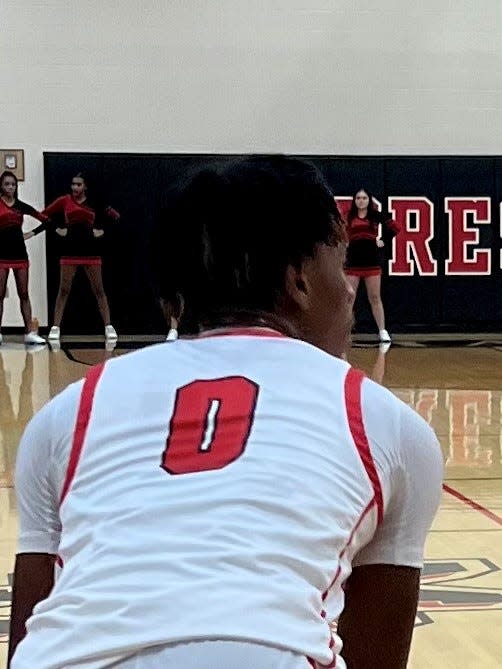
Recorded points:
(363, 271)
(353, 382)
(332, 664)
(59, 561)
(68, 260)
(316, 665)
(354, 530)
(325, 594)
(242, 332)
(81, 425)
(14, 264)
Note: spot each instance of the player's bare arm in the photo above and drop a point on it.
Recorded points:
(379, 614)
(33, 581)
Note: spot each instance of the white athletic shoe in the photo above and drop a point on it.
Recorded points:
(55, 333)
(172, 335)
(110, 344)
(384, 346)
(110, 332)
(35, 348)
(33, 338)
(384, 336)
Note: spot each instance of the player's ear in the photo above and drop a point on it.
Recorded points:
(297, 287)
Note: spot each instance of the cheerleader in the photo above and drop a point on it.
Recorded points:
(81, 230)
(13, 255)
(172, 309)
(363, 260)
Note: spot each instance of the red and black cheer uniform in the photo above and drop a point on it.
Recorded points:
(13, 254)
(363, 257)
(80, 246)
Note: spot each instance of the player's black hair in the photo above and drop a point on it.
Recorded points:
(373, 214)
(4, 175)
(228, 238)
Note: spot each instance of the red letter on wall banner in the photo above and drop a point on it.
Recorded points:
(414, 237)
(461, 236)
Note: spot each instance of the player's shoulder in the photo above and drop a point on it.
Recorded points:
(144, 358)
(64, 401)
(58, 414)
(301, 351)
(384, 412)
(184, 350)
(375, 395)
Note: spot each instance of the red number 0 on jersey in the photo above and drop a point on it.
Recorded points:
(210, 424)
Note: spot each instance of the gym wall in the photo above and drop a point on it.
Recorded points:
(442, 273)
(233, 76)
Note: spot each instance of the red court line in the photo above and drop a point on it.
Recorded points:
(474, 505)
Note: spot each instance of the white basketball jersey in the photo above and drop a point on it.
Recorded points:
(215, 488)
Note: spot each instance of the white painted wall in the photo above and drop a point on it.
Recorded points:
(300, 76)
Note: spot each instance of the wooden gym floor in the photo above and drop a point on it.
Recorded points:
(457, 386)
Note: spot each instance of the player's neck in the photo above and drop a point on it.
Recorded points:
(8, 199)
(250, 321)
(236, 330)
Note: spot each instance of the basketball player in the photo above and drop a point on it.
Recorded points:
(81, 232)
(362, 253)
(13, 254)
(220, 501)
